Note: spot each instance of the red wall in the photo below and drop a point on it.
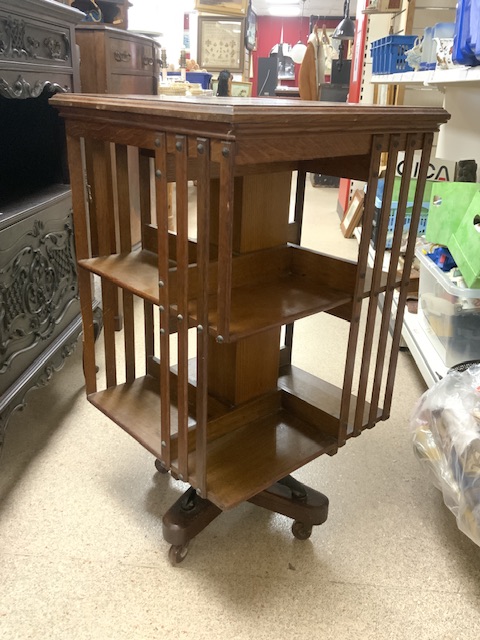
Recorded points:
(269, 29)
(355, 85)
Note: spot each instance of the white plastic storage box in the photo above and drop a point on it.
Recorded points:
(449, 313)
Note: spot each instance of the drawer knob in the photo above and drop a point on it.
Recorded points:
(147, 61)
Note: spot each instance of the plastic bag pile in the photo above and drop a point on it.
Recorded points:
(446, 439)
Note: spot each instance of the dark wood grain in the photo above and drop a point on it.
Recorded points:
(74, 148)
(241, 462)
(427, 142)
(373, 301)
(264, 131)
(320, 402)
(226, 421)
(283, 291)
(125, 233)
(162, 289)
(182, 301)
(360, 286)
(269, 116)
(251, 458)
(202, 361)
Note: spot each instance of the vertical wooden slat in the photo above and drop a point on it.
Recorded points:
(299, 203)
(297, 221)
(149, 333)
(203, 236)
(92, 216)
(125, 233)
(123, 190)
(109, 312)
(75, 160)
(367, 228)
(392, 275)
(145, 199)
(163, 292)
(181, 150)
(225, 238)
(407, 265)
(106, 231)
(382, 228)
(144, 163)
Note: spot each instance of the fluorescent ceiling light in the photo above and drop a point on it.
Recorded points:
(284, 10)
(292, 2)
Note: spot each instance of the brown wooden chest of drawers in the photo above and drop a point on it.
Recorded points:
(117, 61)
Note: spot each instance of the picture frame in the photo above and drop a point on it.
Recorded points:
(251, 29)
(353, 214)
(223, 7)
(221, 43)
(239, 89)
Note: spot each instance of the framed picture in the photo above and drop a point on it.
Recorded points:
(353, 214)
(239, 89)
(224, 7)
(251, 29)
(221, 43)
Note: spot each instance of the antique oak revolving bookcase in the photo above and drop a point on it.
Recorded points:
(202, 376)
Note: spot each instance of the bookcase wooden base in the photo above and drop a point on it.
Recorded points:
(190, 514)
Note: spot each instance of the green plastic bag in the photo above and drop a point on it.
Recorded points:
(449, 202)
(464, 245)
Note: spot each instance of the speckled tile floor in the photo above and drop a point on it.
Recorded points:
(82, 554)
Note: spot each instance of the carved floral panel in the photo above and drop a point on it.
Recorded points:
(37, 285)
(22, 40)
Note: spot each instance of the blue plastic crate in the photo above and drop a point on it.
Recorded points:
(422, 223)
(389, 54)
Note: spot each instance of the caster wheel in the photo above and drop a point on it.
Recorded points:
(159, 467)
(177, 554)
(301, 531)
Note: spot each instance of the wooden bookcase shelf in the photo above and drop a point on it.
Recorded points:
(270, 445)
(281, 284)
(220, 403)
(258, 454)
(285, 433)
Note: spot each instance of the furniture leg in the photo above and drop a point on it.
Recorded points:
(190, 514)
(295, 500)
(185, 519)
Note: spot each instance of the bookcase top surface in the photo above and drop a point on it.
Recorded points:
(262, 113)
